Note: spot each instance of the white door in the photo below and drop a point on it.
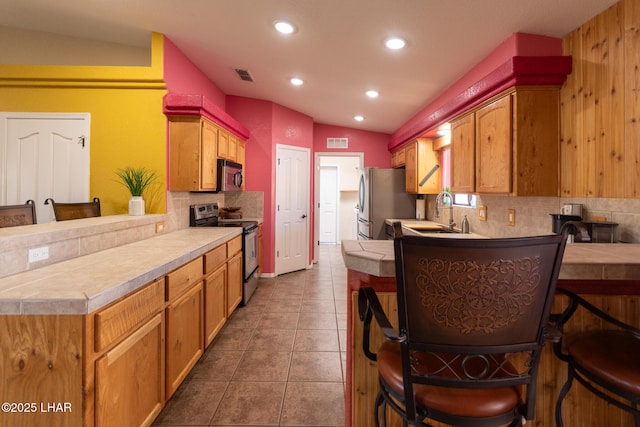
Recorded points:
(44, 155)
(329, 190)
(292, 208)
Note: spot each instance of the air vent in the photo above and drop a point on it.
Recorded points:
(244, 75)
(337, 142)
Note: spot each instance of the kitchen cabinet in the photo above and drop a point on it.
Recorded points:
(516, 144)
(493, 147)
(193, 152)
(184, 323)
(463, 154)
(234, 271)
(420, 159)
(215, 292)
(398, 158)
(129, 387)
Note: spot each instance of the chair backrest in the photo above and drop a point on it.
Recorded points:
(66, 211)
(14, 215)
(474, 311)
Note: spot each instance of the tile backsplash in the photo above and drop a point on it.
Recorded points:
(532, 215)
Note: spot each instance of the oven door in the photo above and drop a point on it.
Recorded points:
(250, 252)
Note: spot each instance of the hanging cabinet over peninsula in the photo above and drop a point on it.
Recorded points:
(509, 145)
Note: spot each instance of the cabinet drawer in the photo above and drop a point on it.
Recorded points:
(119, 319)
(214, 259)
(234, 246)
(179, 280)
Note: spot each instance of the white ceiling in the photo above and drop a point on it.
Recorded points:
(338, 48)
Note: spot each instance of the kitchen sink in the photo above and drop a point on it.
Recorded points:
(442, 230)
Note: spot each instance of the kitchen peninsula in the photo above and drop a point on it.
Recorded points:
(606, 274)
(108, 337)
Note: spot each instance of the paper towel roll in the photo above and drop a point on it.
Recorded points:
(421, 208)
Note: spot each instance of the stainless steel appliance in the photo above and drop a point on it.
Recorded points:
(382, 195)
(229, 176)
(206, 215)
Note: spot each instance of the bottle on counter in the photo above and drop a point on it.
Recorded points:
(465, 225)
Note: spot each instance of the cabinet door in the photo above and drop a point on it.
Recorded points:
(233, 149)
(234, 285)
(463, 154)
(397, 158)
(208, 167)
(411, 167)
(223, 144)
(494, 154)
(215, 303)
(185, 336)
(129, 378)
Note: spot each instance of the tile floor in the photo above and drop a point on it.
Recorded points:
(279, 361)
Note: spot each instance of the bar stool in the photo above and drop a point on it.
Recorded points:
(472, 317)
(67, 211)
(601, 359)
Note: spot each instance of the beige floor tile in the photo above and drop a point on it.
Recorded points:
(193, 404)
(316, 340)
(276, 339)
(284, 320)
(263, 366)
(313, 404)
(321, 366)
(309, 320)
(250, 403)
(217, 365)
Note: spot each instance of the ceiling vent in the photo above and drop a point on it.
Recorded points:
(244, 75)
(337, 142)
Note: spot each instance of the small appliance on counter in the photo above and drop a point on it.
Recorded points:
(602, 232)
(558, 221)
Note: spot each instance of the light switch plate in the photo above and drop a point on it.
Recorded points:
(482, 213)
(511, 217)
(159, 227)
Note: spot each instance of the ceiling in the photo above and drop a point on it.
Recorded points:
(338, 48)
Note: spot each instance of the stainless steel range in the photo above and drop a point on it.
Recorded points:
(206, 215)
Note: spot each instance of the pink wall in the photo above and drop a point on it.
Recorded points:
(518, 44)
(372, 144)
(270, 124)
(182, 77)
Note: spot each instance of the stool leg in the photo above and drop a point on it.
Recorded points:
(379, 401)
(563, 392)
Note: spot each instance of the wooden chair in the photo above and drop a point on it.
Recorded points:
(606, 362)
(67, 211)
(472, 317)
(14, 215)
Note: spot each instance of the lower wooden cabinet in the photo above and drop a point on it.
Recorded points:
(215, 303)
(234, 290)
(129, 383)
(184, 336)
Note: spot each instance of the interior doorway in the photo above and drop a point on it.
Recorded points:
(328, 204)
(347, 168)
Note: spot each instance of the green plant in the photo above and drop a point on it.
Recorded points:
(136, 179)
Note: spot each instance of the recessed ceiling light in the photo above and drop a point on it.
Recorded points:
(372, 93)
(358, 118)
(284, 27)
(296, 81)
(395, 43)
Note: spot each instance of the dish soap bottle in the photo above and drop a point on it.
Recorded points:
(465, 225)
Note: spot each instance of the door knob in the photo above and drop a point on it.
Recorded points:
(304, 216)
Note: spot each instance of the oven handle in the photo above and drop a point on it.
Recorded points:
(251, 229)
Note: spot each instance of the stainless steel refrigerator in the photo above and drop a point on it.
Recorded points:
(382, 195)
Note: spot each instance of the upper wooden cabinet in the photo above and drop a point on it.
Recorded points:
(195, 144)
(463, 154)
(193, 151)
(398, 158)
(494, 147)
(420, 159)
(509, 145)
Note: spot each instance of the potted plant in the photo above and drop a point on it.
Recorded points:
(137, 180)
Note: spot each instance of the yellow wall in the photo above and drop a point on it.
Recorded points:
(128, 127)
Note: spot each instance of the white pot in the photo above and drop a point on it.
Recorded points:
(136, 205)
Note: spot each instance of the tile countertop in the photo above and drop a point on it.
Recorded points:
(581, 261)
(85, 284)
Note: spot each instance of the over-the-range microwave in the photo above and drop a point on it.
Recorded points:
(229, 176)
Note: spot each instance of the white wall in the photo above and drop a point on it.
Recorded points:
(349, 175)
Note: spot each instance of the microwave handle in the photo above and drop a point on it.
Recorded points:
(237, 179)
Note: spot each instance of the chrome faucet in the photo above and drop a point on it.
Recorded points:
(439, 198)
